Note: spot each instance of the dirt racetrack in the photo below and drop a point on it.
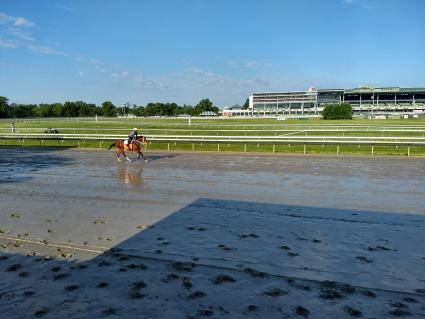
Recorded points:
(190, 235)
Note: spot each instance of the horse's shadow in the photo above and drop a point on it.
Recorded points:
(152, 158)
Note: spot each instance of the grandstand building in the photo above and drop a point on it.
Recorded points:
(386, 100)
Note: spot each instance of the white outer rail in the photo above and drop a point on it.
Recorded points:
(213, 138)
(299, 140)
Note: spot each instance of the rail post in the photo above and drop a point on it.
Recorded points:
(337, 150)
(168, 146)
(372, 149)
(305, 148)
(193, 147)
(408, 151)
(244, 148)
(218, 147)
(274, 148)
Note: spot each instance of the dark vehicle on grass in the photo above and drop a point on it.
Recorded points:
(51, 131)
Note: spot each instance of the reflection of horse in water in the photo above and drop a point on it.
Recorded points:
(130, 176)
(134, 146)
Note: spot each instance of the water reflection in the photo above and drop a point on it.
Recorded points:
(130, 176)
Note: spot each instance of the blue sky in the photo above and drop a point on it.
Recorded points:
(185, 50)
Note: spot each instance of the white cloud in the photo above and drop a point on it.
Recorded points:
(80, 73)
(143, 83)
(22, 35)
(242, 63)
(12, 27)
(365, 4)
(251, 64)
(8, 44)
(47, 50)
(16, 21)
(22, 22)
(60, 6)
(229, 62)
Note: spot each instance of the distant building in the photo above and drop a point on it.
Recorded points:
(235, 110)
(363, 99)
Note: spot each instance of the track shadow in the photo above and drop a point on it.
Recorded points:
(19, 164)
(368, 249)
(229, 259)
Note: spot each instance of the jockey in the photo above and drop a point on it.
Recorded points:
(132, 136)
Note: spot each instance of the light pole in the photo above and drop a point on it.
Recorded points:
(124, 106)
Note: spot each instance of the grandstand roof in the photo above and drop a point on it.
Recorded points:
(385, 90)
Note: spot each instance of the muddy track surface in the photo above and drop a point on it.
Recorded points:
(210, 235)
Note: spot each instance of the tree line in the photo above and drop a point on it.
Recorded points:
(107, 108)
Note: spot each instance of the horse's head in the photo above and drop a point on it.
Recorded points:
(142, 139)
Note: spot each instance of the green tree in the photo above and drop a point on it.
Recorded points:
(188, 109)
(337, 112)
(22, 110)
(203, 106)
(85, 109)
(4, 107)
(108, 109)
(153, 109)
(139, 110)
(44, 110)
(245, 106)
(70, 109)
(57, 109)
(124, 109)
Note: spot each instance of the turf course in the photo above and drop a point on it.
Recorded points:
(220, 127)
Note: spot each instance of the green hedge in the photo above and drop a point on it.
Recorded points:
(337, 112)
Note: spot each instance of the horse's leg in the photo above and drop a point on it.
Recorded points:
(140, 153)
(126, 156)
(118, 155)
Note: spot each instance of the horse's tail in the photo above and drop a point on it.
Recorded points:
(112, 145)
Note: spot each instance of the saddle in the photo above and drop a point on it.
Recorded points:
(128, 146)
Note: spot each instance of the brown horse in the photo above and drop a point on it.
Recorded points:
(133, 147)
